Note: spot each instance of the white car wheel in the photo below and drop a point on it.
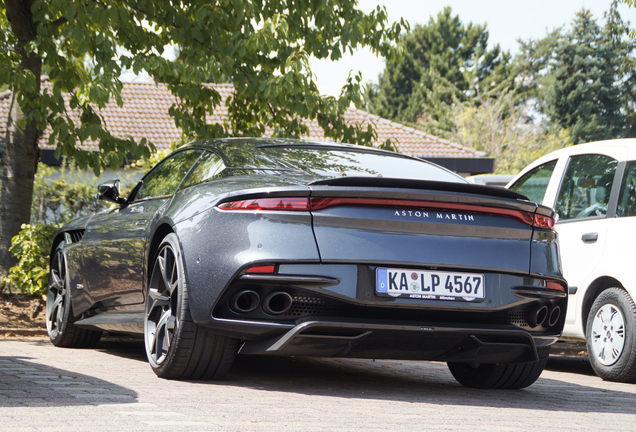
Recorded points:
(608, 334)
(611, 336)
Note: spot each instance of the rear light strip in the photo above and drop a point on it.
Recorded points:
(286, 204)
(315, 204)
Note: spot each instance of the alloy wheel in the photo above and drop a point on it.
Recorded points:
(56, 295)
(161, 318)
(608, 334)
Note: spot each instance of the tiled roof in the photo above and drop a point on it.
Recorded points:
(145, 115)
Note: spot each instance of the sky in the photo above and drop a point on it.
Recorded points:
(507, 20)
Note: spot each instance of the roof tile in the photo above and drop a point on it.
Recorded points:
(145, 115)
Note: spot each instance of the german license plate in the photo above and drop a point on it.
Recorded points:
(429, 285)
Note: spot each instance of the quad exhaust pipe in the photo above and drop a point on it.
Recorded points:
(543, 316)
(245, 301)
(555, 314)
(276, 303)
(538, 316)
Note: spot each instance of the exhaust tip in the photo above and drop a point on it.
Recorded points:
(538, 316)
(555, 314)
(277, 303)
(244, 301)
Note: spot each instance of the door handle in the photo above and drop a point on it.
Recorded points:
(141, 222)
(590, 237)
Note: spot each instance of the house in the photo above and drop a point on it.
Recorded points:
(145, 115)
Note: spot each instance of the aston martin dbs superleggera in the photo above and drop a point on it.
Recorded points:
(295, 248)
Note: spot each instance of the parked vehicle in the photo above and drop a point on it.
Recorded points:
(593, 189)
(499, 180)
(286, 247)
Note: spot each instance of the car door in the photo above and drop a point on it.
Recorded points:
(618, 257)
(585, 207)
(115, 242)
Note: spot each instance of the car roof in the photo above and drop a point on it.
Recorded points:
(625, 143)
(223, 143)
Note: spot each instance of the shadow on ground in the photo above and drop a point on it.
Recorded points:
(426, 382)
(26, 383)
(574, 388)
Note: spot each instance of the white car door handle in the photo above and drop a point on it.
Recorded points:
(590, 237)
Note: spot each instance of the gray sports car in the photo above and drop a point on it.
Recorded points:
(295, 248)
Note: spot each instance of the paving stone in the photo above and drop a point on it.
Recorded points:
(116, 390)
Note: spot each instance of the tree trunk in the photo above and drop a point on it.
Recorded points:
(21, 148)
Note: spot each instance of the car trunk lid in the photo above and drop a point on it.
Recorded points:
(399, 222)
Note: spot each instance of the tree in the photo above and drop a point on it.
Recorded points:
(444, 61)
(585, 95)
(583, 79)
(83, 46)
(504, 129)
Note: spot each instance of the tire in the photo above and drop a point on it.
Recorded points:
(59, 317)
(176, 347)
(611, 336)
(499, 376)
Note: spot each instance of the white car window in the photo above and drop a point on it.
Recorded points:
(535, 182)
(627, 200)
(586, 187)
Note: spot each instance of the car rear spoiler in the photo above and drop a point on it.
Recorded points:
(420, 184)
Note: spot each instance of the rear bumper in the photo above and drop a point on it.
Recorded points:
(405, 342)
(334, 311)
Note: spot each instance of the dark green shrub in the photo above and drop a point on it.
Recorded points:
(32, 247)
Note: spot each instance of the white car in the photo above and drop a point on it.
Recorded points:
(593, 189)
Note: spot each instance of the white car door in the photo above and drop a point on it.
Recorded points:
(582, 204)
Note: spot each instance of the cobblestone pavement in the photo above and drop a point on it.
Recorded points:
(43, 388)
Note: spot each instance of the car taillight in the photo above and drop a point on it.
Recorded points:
(323, 203)
(544, 222)
(283, 203)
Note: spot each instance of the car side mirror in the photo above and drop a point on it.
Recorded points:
(109, 191)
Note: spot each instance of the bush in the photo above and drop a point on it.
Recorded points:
(32, 247)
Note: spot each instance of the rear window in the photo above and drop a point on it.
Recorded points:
(336, 163)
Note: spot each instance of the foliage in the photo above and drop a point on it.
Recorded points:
(32, 247)
(263, 46)
(147, 163)
(505, 131)
(583, 79)
(444, 61)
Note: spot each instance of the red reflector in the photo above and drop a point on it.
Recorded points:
(283, 203)
(543, 222)
(555, 286)
(261, 269)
